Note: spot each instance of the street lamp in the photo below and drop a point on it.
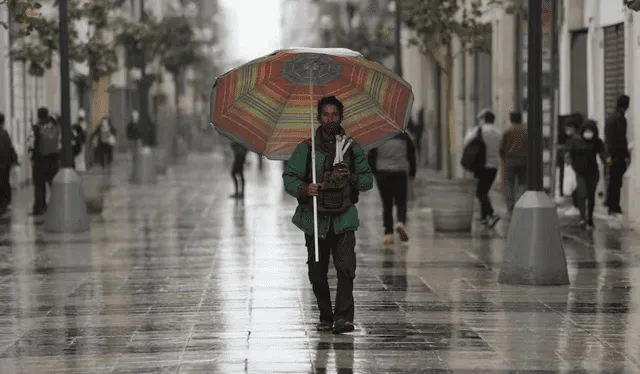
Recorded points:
(534, 254)
(67, 211)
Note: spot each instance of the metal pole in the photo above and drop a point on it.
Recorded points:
(534, 96)
(398, 39)
(65, 90)
(142, 89)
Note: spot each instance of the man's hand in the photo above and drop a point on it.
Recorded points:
(341, 172)
(313, 189)
(609, 161)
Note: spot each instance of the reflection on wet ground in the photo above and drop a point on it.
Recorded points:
(180, 278)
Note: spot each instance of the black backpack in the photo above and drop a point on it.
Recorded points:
(474, 154)
(354, 192)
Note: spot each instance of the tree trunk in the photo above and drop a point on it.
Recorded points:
(450, 110)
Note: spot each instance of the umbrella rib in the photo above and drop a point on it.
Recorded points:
(282, 109)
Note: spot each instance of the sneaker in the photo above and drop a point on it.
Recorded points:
(341, 326)
(492, 221)
(583, 224)
(388, 239)
(590, 224)
(572, 212)
(324, 326)
(402, 231)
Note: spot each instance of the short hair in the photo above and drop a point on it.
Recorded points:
(623, 102)
(43, 113)
(330, 100)
(515, 117)
(489, 117)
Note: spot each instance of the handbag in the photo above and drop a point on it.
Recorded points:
(569, 181)
(474, 155)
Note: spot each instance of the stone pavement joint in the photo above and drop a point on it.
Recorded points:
(179, 278)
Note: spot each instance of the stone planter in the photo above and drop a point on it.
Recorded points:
(451, 202)
(93, 186)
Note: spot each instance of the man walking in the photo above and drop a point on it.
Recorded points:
(487, 174)
(393, 164)
(237, 169)
(44, 144)
(337, 193)
(8, 158)
(513, 151)
(618, 153)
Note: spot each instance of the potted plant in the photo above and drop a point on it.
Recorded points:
(436, 24)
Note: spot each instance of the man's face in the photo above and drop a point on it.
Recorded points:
(329, 116)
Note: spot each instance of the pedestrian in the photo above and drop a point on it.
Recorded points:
(237, 169)
(106, 141)
(79, 131)
(572, 130)
(133, 132)
(619, 157)
(513, 151)
(393, 165)
(582, 154)
(486, 175)
(8, 159)
(44, 143)
(337, 213)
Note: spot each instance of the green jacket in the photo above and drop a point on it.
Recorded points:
(293, 184)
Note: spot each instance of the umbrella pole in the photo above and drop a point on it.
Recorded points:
(313, 167)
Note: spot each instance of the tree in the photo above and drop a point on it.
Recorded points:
(38, 36)
(375, 46)
(179, 50)
(436, 24)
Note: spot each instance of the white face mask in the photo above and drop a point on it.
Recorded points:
(588, 135)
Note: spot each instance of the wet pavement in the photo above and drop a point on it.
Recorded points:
(178, 278)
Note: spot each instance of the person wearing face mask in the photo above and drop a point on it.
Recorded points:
(106, 141)
(337, 193)
(582, 154)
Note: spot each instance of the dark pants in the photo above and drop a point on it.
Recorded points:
(342, 248)
(393, 188)
(237, 173)
(586, 193)
(104, 154)
(485, 177)
(516, 180)
(5, 187)
(43, 171)
(616, 172)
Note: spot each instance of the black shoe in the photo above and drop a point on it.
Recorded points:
(583, 224)
(324, 326)
(590, 224)
(341, 326)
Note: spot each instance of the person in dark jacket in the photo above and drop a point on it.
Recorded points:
(8, 159)
(44, 144)
(513, 151)
(394, 164)
(618, 159)
(572, 130)
(582, 153)
(237, 169)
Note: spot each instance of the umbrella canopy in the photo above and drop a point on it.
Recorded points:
(269, 104)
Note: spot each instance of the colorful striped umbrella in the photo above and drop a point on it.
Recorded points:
(269, 104)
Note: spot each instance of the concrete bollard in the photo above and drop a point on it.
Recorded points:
(146, 172)
(161, 161)
(67, 211)
(93, 181)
